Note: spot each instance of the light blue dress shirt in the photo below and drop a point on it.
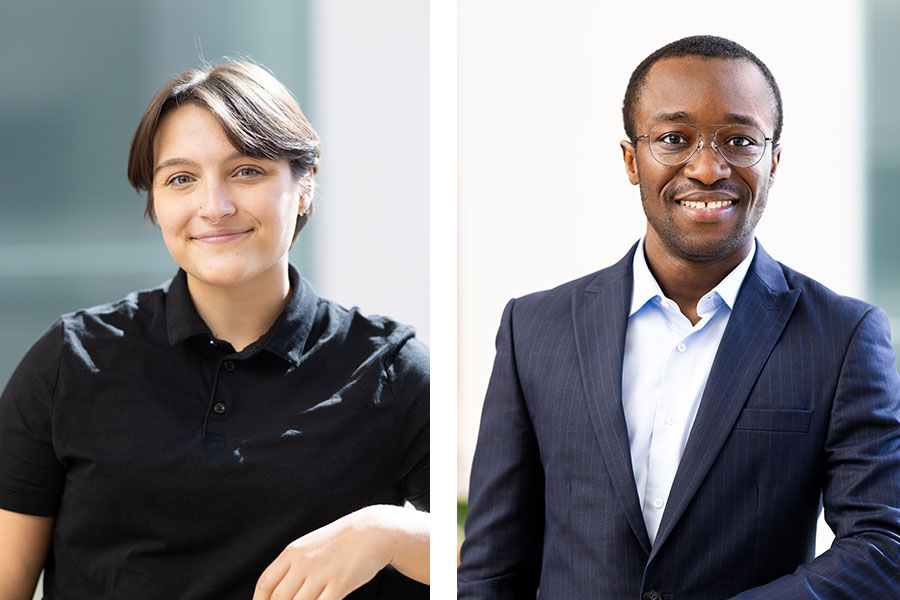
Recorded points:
(665, 367)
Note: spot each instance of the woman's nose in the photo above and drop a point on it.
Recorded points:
(216, 203)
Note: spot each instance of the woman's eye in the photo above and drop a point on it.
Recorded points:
(179, 180)
(248, 172)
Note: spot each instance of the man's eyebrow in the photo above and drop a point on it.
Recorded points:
(676, 117)
(190, 163)
(685, 117)
(742, 120)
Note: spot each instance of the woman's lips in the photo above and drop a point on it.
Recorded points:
(220, 236)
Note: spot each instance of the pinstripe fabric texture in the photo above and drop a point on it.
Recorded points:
(802, 404)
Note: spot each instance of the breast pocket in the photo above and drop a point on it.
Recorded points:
(774, 419)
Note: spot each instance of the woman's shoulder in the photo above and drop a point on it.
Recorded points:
(335, 322)
(140, 310)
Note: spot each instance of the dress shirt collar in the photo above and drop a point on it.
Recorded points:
(647, 289)
(287, 336)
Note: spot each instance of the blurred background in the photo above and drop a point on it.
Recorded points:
(74, 82)
(543, 196)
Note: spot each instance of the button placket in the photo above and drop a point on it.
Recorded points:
(220, 407)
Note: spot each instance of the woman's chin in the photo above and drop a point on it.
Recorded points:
(219, 276)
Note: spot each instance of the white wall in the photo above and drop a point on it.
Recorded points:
(543, 196)
(370, 97)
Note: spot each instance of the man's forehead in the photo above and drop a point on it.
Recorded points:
(706, 90)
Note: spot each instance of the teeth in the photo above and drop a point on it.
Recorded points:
(706, 205)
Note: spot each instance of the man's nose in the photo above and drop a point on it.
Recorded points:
(707, 165)
(216, 203)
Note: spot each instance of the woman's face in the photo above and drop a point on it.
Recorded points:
(226, 218)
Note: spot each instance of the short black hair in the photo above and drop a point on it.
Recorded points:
(708, 46)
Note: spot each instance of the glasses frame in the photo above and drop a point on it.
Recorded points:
(712, 143)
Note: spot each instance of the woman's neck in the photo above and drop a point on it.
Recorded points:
(240, 315)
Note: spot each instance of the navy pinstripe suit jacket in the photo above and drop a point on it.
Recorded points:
(802, 408)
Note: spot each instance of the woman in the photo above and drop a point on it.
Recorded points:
(229, 434)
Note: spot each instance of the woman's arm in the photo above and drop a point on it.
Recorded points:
(331, 562)
(24, 540)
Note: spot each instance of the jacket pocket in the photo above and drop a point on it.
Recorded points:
(774, 419)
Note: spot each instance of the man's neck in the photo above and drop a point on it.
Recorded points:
(241, 314)
(686, 281)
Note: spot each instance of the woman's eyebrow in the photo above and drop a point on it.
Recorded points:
(191, 163)
(172, 162)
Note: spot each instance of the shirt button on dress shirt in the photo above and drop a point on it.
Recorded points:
(219, 408)
(666, 363)
(229, 365)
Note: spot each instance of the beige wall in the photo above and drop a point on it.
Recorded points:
(369, 83)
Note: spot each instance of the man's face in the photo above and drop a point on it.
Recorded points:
(702, 91)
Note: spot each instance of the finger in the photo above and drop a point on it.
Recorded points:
(290, 585)
(331, 593)
(270, 579)
(311, 590)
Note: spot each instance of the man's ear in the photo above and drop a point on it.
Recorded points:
(776, 158)
(629, 155)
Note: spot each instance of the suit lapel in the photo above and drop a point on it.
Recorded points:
(760, 314)
(600, 314)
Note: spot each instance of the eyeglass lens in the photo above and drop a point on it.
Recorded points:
(675, 143)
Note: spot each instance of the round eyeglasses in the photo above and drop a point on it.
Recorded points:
(674, 144)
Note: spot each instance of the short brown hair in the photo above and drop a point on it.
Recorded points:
(260, 116)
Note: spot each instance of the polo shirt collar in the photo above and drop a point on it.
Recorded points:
(182, 320)
(646, 288)
(287, 336)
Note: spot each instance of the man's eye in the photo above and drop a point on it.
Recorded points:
(672, 139)
(741, 141)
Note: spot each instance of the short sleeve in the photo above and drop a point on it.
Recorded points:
(410, 385)
(31, 476)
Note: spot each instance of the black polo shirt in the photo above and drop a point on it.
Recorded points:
(179, 468)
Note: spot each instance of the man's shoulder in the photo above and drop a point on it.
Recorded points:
(559, 298)
(818, 298)
(593, 282)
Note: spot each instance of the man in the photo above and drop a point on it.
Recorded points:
(669, 427)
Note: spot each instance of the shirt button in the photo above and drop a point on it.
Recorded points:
(670, 419)
(681, 347)
(219, 408)
(212, 342)
(657, 503)
(652, 595)
(229, 365)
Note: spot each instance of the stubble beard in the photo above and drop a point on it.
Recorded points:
(697, 248)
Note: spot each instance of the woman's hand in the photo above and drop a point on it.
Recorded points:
(334, 560)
